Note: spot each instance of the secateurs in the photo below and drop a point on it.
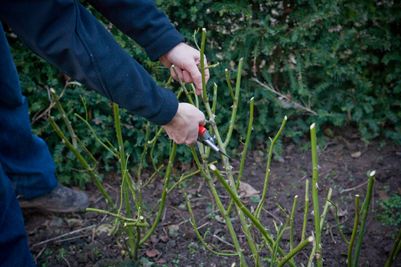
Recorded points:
(207, 139)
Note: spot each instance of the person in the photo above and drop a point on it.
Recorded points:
(68, 36)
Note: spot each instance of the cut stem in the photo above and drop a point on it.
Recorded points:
(315, 196)
(364, 215)
(354, 232)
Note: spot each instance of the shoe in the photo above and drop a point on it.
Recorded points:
(62, 199)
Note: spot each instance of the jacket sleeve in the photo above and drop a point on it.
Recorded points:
(68, 36)
(143, 22)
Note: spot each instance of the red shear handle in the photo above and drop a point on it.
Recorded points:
(201, 130)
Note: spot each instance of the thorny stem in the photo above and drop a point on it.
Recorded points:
(214, 102)
(164, 195)
(64, 117)
(292, 218)
(245, 226)
(394, 251)
(325, 208)
(206, 174)
(242, 207)
(280, 233)
(267, 173)
(201, 239)
(295, 251)
(245, 150)
(92, 173)
(126, 181)
(133, 222)
(235, 104)
(364, 215)
(306, 209)
(202, 64)
(107, 147)
(354, 231)
(182, 179)
(228, 80)
(315, 197)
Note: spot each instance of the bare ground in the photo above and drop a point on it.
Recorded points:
(83, 240)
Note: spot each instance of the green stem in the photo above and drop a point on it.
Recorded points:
(125, 180)
(325, 208)
(315, 197)
(354, 231)
(292, 219)
(202, 64)
(65, 119)
(267, 173)
(280, 232)
(295, 251)
(107, 147)
(235, 104)
(214, 102)
(394, 251)
(205, 173)
(182, 179)
(242, 207)
(84, 163)
(306, 209)
(364, 215)
(245, 150)
(228, 80)
(201, 239)
(164, 195)
(136, 222)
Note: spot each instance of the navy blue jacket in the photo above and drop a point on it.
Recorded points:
(68, 36)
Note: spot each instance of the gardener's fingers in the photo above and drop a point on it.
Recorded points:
(176, 73)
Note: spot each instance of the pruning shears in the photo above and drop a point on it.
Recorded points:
(205, 138)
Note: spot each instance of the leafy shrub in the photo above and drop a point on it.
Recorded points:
(390, 210)
(339, 58)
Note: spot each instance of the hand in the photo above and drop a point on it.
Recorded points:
(185, 59)
(183, 128)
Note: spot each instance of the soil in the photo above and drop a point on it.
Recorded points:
(82, 239)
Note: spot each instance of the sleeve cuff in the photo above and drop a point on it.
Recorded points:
(167, 110)
(165, 43)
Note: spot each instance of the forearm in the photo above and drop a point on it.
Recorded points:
(68, 36)
(143, 22)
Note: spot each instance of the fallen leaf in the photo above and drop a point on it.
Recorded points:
(104, 228)
(152, 253)
(356, 154)
(246, 190)
(173, 230)
(382, 194)
(164, 238)
(161, 261)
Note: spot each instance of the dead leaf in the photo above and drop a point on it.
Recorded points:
(383, 194)
(173, 230)
(161, 261)
(246, 190)
(164, 238)
(356, 154)
(104, 228)
(152, 253)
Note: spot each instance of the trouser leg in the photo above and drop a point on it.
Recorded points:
(25, 157)
(14, 250)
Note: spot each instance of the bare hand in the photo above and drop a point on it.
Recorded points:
(183, 128)
(186, 60)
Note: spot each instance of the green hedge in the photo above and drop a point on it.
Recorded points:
(341, 59)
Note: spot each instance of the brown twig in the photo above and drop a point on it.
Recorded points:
(295, 104)
(63, 235)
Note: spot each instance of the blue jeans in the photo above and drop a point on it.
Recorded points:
(26, 166)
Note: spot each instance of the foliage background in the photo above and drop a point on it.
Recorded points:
(340, 58)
